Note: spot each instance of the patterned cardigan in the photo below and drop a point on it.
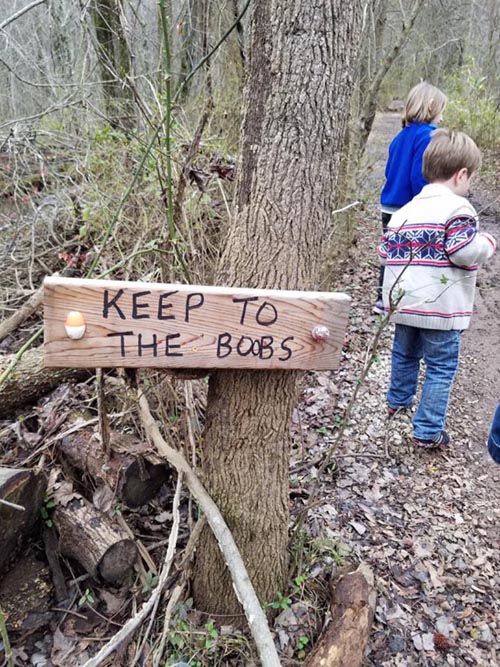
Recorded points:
(431, 251)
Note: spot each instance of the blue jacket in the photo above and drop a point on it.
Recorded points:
(404, 166)
(494, 436)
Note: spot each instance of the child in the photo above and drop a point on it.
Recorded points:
(431, 250)
(404, 179)
(494, 436)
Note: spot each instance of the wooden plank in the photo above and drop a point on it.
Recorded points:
(133, 324)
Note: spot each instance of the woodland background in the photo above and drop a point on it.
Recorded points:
(120, 139)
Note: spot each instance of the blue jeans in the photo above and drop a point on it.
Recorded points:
(440, 351)
(494, 436)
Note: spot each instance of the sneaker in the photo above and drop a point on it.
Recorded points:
(394, 411)
(441, 440)
(378, 308)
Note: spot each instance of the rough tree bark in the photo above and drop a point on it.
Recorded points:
(299, 85)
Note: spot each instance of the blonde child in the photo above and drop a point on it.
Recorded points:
(404, 179)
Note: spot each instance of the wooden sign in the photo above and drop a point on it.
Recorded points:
(110, 323)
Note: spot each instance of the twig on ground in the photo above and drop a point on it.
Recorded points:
(7, 503)
(174, 598)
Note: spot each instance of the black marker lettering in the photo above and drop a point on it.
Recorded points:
(169, 347)
(244, 300)
(107, 304)
(223, 341)
(194, 306)
(122, 341)
(240, 347)
(163, 306)
(266, 343)
(274, 317)
(136, 306)
(287, 349)
(147, 346)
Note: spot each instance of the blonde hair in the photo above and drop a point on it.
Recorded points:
(447, 153)
(424, 103)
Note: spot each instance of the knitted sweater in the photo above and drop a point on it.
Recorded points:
(431, 251)
(403, 171)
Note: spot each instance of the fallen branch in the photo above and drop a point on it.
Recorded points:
(20, 12)
(241, 581)
(30, 379)
(133, 623)
(11, 323)
(344, 641)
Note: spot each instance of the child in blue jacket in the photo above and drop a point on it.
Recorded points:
(494, 436)
(422, 114)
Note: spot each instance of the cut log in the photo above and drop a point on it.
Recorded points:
(89, 537)
(344, 641)
(21, 488)
(29, 380)
(133, 471)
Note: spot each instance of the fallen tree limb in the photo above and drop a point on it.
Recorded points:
(20, 12)
(352, 607)
(11, 323)
(131, 470)
(241, 581)
(88, 536)
(30, 380)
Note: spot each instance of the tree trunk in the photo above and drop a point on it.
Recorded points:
(25, 489)
(297, 98)
(114, 60)
(30, 379)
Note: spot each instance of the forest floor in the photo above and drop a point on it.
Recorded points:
(428, 523)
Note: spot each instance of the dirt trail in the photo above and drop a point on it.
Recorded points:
(428, 523)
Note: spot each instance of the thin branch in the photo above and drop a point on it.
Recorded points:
(241, 581)
(11, 324)
(19, 13)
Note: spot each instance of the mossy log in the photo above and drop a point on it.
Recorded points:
(89, 537)
(21, 488)
(29, 380)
